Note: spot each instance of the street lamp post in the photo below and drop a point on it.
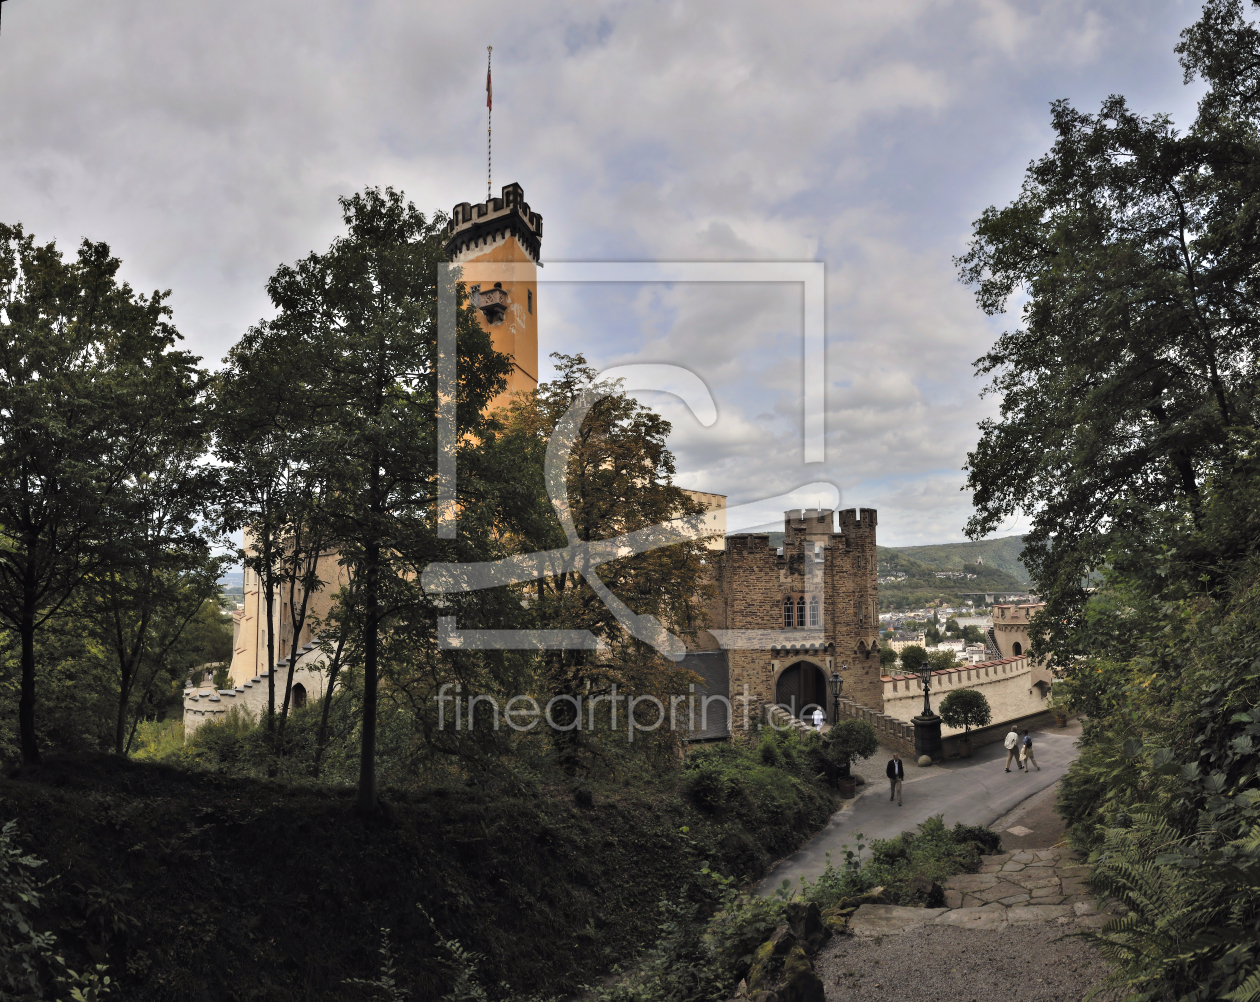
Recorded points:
(925, 680)
(845, 779)
(927, 726)
(836, 685)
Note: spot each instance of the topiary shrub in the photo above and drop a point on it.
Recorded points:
(966, 708)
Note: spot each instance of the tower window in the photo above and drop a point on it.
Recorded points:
(529, 299)
(787, 613)
(813, 610)
(800, 611)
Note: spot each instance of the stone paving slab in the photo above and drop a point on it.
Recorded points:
(890, 920)
(1019, 888)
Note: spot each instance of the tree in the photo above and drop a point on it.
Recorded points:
(951, 627)
(619, 480)
(942, 660)
(912, 657)
(850, 740)
(160, 571)
(365, 313)
(275, 477)
(1135, 250)
(973, 635)
(965, 708)
(887, 657)
(87, 381)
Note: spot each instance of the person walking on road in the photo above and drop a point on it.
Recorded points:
(1012, 749)
(1026, 754)
(896, 773)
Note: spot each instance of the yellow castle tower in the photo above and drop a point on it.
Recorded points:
(497, 243)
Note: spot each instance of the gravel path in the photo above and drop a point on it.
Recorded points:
(943, 964)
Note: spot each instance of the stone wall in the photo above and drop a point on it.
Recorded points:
(836, 568)
(893, 732)
(1011, 686)
(205, 703)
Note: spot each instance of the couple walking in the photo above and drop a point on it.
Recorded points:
(1019, 751)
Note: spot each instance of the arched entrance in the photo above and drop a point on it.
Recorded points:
(1017, 648)
(800, 685)
(299, 695)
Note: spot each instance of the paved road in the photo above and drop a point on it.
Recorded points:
(975, 791)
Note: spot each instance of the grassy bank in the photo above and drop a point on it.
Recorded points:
(195, 884)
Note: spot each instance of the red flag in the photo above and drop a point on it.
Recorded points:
(489, 92)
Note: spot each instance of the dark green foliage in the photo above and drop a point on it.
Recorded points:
(93, 403)
(847, 742)
(966, 708)
(519, 878)
(709, 787)
(912, 657)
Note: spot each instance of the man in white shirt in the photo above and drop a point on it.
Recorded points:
(819, 717)
(1012, 749)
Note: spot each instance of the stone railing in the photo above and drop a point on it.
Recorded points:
(892, 733)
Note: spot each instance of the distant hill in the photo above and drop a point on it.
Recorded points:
(924, 567)
(1001, 571)
(997, 554)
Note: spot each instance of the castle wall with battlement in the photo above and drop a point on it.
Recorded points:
(1012, 686)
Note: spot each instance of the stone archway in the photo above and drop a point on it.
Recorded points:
(1017, 648)
(299, 695)
(799, 685)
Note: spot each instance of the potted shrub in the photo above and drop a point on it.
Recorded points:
(847, 741)
(965, 708)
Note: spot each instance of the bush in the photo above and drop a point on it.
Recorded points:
(709, 787)
(847, 742)
(158, 739)
(966, 708)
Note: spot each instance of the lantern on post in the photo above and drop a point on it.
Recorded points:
(836, 685)
(927, 726)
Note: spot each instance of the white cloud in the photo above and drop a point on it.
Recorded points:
(208, 144)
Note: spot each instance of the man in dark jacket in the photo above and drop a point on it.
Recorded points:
(896, 772)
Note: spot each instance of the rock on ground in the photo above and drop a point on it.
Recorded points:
(1026, 963)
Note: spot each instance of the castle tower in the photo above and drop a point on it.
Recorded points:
(497, 244)
(812, 603)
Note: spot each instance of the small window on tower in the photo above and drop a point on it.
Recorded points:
(859, 563)
(787, 613)
(529, 299)
(800, 611)
(813, 611)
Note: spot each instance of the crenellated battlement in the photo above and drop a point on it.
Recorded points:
(475, 226)
(855, 521)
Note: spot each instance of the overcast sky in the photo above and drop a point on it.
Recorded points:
(207, 143)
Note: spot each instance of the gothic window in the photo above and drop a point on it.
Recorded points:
(787, 613)
(859, 563)
(813, 610)
(800, 611)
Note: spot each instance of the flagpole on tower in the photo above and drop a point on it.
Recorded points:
(489, 112)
